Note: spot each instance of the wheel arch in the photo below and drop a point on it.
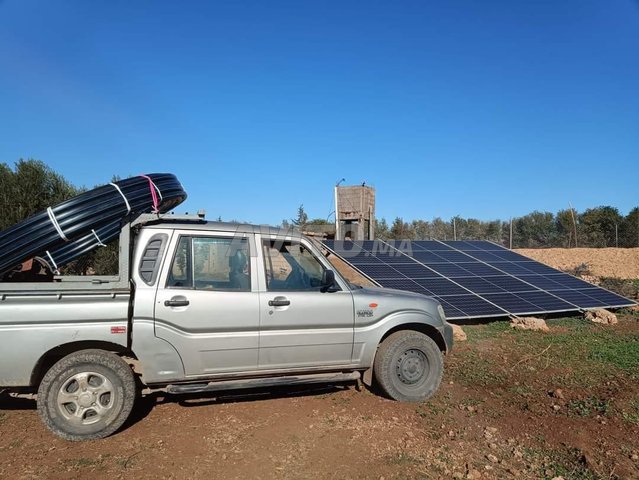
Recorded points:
(424, 328)
(49, 358)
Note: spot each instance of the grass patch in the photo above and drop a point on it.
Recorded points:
(575, 353)
(474, 370)
(586, 349)
(429, 409)
(484, 331)
(567, 463)
(521, 390)
(402, 458)
(83, 462)
(621, 352)
(588, 406)
(632, 416)
(629, 312)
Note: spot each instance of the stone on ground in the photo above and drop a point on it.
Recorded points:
(458, 334)
(601, 316)
(529, 323)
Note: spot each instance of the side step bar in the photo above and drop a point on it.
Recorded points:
(264, 382)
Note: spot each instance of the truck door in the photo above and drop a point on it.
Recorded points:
(207, 303)
(301, 326)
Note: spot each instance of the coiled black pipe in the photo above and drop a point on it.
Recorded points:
(66, 230)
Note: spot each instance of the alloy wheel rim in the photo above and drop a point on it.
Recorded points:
(86, 398)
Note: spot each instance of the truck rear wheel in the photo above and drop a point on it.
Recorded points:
(408, 366)
(87, 395)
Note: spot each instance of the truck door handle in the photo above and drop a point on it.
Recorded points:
(279, 302)
(176, 302)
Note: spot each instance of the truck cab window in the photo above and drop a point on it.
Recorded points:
(211, 263)
(291, 266)
(180, 274)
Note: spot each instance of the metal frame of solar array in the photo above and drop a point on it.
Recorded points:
(474, 279)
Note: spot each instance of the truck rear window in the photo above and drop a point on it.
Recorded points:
(211, 263)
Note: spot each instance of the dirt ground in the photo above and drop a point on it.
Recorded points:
(602, 262)
(512, 404)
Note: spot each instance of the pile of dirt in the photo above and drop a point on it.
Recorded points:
(601, 262)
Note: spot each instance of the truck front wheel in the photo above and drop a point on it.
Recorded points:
(87, 395)
(408, 366)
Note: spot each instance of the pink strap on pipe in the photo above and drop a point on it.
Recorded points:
(154, 194)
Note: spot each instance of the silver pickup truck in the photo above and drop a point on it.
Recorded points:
(205, 306)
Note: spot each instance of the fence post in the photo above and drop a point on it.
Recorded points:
(511, 233)
(574, 222)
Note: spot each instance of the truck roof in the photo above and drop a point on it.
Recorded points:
(197, 223)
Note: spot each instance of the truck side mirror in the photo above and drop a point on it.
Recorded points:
(328, 282)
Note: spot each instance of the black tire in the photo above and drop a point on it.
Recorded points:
(87, 395)
(408, 366)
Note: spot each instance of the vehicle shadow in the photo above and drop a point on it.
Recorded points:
(9, 401)
(145, 404)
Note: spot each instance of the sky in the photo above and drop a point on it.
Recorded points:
(486, 109)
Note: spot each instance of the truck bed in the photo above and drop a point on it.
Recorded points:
(35, 318)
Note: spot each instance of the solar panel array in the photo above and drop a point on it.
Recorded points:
(473, 279)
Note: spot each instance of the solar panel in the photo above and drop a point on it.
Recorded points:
(391, 268)
(427, 257)
(474, 278)
(474, 306)
(415, 270)
(512, 303)
(479, 285)
(449, 269)
(442, 286)
(480, 269)
(378, 271)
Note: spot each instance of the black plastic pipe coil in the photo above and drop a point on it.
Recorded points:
(77, 226)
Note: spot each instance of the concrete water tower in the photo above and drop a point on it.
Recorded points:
(355, 212)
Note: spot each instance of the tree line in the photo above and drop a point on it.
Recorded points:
(602, 226)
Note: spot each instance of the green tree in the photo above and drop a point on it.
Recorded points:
(598, 226)
(629, 229)
(30, 188)
(319, 221)
(400, 230)
(467, 229)
(302, 218)
(492, 231)
(421, 229)
(381, 229)
(537, 229)
(441, 230)
(565, 228)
